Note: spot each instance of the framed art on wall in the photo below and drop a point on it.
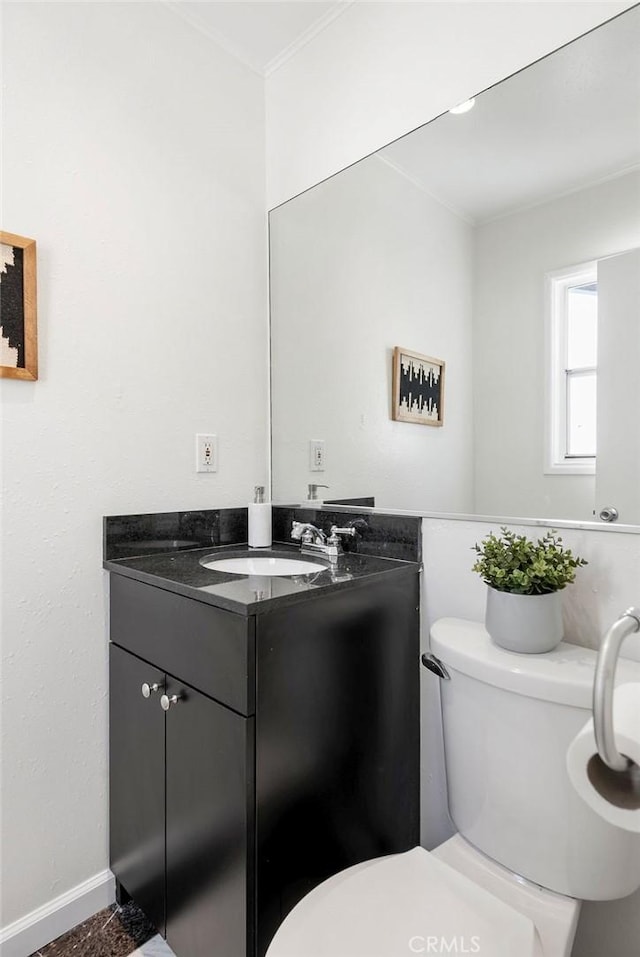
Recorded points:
(18, 315)
(418, 388)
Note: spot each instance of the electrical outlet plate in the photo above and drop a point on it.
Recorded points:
(206, 453)
(316, 455)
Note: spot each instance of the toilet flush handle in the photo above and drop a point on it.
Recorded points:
(434, 665)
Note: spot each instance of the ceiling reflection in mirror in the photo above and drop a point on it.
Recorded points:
(463, 241)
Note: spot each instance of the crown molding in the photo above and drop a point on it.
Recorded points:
(423, 189)
(514, 210)
(192, 18)
(336, 11)
(561, 194)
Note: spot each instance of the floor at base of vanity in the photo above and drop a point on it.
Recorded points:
(117, 931)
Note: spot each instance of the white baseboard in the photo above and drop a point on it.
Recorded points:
(44, 924)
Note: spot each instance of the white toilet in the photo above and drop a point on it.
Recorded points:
(528, 849)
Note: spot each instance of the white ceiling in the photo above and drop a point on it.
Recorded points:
(564, 123)
(261, 34)
(567, 122)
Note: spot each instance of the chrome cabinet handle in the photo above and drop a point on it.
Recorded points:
(167, 700)
(148, 690)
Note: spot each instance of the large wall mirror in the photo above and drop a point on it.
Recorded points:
(504, 242)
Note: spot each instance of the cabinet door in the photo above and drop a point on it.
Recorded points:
(209, 843)
(136, 782)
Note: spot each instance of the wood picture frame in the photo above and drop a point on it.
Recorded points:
(418, 388)
(18, 308)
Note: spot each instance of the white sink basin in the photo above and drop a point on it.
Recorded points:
(263, 565)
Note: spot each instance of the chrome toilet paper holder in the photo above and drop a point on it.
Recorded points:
(603, 687)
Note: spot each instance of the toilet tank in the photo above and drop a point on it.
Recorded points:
(508, 720)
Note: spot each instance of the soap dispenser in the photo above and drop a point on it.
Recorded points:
(259, 520)
(313, 494)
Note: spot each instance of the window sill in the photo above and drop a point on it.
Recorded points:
(577, 467)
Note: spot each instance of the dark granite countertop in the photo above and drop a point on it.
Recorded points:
(180, 571)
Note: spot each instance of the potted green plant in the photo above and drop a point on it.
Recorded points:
(525, 578)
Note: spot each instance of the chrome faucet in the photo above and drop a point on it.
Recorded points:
(313, 541)
(307, 534)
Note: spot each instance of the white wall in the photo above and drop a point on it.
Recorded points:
(512, 257)
(134, 155)
(400, 271)
(382, 69)
(602, 590)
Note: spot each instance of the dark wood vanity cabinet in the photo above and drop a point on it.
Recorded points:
(290, 753)
(181, 790)
(136, 783)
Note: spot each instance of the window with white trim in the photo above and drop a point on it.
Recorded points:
(573, 370)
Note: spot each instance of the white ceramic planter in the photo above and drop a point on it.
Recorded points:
(531, 624)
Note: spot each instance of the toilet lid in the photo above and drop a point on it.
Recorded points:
(398, 906)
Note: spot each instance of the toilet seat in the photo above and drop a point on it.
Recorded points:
(399, 905)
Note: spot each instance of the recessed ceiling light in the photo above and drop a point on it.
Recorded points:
(463, 107)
